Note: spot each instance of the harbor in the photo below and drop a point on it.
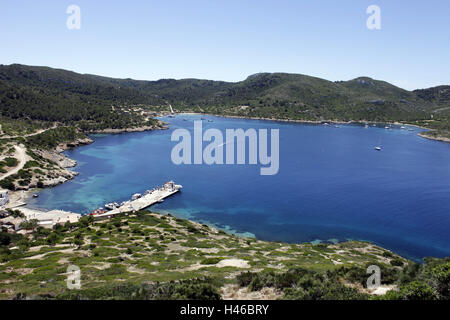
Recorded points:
(139, 201)
(49, 219)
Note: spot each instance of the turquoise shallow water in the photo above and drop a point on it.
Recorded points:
(332, 185)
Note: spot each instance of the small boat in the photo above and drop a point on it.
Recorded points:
(403, 127)
(171, 116)
(378, 146)
(35, 195)
(336, 126)
(111, 206)
(366, 126)
(136, 196)
(185, 119)
(210, 120)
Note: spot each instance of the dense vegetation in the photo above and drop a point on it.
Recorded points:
(53, 137)
(50, 95)
(428, 281)
(45, 94)
(195, 289)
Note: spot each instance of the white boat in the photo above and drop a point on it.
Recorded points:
(110, 206)
(136, 196)
(171, 186)
(378, 148)
(403, 127)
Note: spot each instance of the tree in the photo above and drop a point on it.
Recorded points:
(91, 219)
(78, 242)
(417, 290)
(30, 225)
(441, 278)
(5, 239)
(52, 238)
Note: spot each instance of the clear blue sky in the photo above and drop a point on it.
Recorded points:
(230, 39)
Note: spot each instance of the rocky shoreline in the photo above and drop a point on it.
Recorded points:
(436, 138)
(65, 162)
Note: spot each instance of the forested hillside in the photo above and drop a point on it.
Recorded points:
(46, 94)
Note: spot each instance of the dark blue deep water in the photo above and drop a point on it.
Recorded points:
(332, 184)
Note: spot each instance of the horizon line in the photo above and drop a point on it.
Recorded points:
(217, 80)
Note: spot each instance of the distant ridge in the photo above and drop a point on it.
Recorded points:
(43, 93)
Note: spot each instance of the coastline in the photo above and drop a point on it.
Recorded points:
(421, 134)
(160, 126)
(86, 141)
(437, 138)
(20, 197)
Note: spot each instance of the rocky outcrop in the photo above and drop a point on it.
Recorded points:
(70, 145)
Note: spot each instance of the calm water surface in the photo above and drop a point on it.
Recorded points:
(332, 185)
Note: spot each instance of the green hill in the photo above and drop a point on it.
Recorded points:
(46, 94)
(303, 97)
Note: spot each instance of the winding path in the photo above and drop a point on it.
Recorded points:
(21, 156)
(28, 135)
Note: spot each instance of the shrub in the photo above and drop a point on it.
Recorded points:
(115, 269)
(417, 291)
(11, 162)
(396, 262)
(211, 260)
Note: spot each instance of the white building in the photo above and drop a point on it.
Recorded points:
(4, 197)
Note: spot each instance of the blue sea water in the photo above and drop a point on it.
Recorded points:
(331, 186)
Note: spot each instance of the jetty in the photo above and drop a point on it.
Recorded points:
(48, 219)
(140, 202)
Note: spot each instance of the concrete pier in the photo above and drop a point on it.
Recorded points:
(50, 218)
(144, 202)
